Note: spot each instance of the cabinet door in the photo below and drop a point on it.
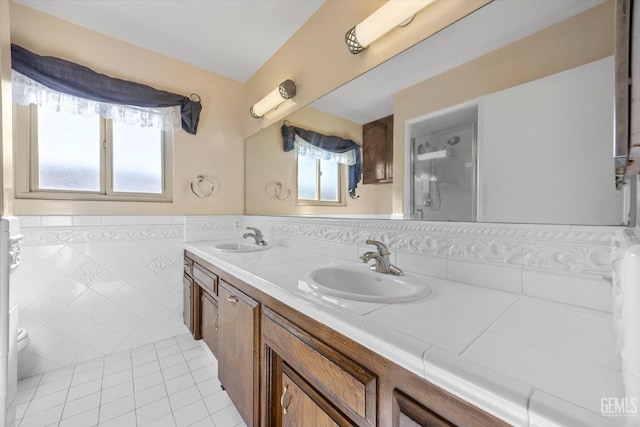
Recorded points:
(342, 388)
(209, 322)
(299, 409)
(238, 349)
(187, 302)
(377, 151)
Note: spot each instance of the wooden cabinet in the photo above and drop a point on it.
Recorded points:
(187, 295)
(207, 280)
(377, 151)
(331, 377)
(238, 336)
(301, 405)
(409, 413)
(187, 302)
(209, 321)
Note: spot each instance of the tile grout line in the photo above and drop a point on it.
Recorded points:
(133, 386)
(164, 382)
(18, 422)
(504, 312)
(196, 383)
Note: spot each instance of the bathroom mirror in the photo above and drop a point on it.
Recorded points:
(532, 146)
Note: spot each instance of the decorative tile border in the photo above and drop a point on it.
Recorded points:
(486, 250)
(307, 227)
(206, 223)
(46, 236)
(87, 234)
(554, 248)
(592, 260)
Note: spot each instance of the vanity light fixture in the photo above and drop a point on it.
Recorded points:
(392, 14)
(286, 90)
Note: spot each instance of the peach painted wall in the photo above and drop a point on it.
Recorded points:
(217, 150)
(267, 163)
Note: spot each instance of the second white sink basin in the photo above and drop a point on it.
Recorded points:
(238, 247)
(358, 282)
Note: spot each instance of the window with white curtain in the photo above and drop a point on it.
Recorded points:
(72, 148)
(319, 175)
(63, 155)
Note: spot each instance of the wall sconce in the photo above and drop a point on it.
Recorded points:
(286, 90)
(392, 14)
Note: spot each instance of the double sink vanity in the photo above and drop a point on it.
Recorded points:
(306, 339)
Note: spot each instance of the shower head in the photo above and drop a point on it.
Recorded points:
(453, 140)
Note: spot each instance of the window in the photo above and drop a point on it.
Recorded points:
(72, 156)
(319, 181)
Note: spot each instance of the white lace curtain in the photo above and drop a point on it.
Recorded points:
(303, 148)
(27, 91)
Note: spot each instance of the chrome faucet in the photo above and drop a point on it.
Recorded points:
(383, 263)
(257, 236)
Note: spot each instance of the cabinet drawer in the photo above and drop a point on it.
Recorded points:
(346, 384)
(206, 279)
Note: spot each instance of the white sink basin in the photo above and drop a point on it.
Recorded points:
(238, 247)
(358, 282)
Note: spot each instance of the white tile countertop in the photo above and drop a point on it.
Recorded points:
(528, 361)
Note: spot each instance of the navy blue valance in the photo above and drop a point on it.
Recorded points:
(77, 80)
(334, 144)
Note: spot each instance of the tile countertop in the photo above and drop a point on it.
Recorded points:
(530, 362)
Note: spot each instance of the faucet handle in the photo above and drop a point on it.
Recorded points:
(255, 230)
(382, 248)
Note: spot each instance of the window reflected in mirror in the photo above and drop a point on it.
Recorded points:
(318, 180)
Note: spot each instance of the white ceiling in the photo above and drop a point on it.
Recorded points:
(228, 37)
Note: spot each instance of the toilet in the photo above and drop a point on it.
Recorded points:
(23, 340)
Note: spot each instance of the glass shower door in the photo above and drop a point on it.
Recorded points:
(444, 175)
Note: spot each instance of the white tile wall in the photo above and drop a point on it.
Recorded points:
(89, 286)
(563, 263)
(93, 285)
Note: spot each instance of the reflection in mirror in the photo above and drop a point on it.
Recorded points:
(443, 166)
(538, 148)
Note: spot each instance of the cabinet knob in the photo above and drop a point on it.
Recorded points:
(284, 393)
(186, 265)
(231, 298)
(215, 321)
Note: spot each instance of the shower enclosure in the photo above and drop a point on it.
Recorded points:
(444, 167)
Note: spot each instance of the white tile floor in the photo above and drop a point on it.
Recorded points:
(171, 383)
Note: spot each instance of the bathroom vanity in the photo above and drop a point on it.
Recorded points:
(282, 367)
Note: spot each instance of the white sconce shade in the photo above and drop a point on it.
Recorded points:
(286, 90)
(380, 22)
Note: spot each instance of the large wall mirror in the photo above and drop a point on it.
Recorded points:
(505, 116)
